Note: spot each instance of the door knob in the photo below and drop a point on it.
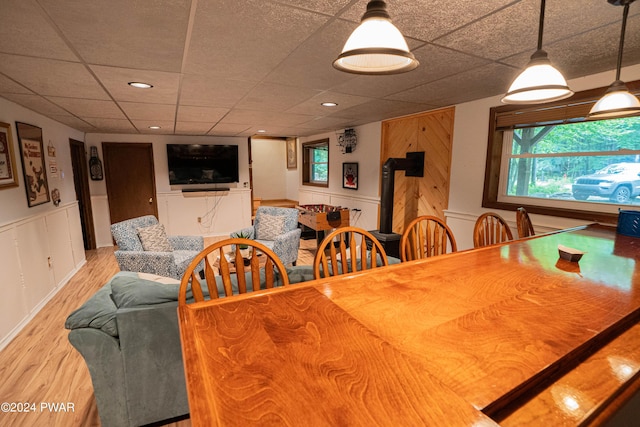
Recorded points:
(150, 200)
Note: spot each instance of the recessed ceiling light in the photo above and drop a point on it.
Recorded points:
(155, 127)
(140, 85)
(329, 104)
(261, 131)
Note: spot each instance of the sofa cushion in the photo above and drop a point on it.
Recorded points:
(154, 238)
(98, 312)
(134, 291)
(270, 227)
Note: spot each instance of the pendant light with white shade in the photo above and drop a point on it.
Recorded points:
(617, 100)
(540, 81)
(376, 46)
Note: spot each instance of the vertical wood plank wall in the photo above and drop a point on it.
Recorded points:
(431, 132)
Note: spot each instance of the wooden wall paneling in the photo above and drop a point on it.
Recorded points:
(431, 132)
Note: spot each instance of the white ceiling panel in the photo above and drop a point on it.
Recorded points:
(222, 67)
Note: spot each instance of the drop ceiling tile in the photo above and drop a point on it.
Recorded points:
(330, 7)
(115, 80)
(51, 77)
(25, 30)
(462, 87)
(228, 129)
(193, 128)
(270, 96)
(246, 39)
(9, 86)
(36, 103)
(143, 126)
(86, 108)
(264, 119)
(112, 125)
(211, 115)
(147, 111)
(124, 33)
(204, 91)
(74, 123)
(313, 106)
(327, 123)
(311, 65)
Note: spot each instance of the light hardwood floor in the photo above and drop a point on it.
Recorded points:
(40, 366)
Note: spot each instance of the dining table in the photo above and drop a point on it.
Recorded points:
(509, 335)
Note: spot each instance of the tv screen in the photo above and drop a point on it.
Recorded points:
(202, 164)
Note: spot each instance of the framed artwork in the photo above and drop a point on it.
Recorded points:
(33, 166)
(8, 176)
(350, 176)
(292, 153)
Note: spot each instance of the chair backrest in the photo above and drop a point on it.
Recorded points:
(343, 262)
(490, 229)
(525, 227)
(125, 233)
(266, 213)
(228, 259)
(424, 237)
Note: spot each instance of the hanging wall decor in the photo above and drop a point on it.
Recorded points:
(350, 176)
(95, 165)
(8, 177)
(33, 165)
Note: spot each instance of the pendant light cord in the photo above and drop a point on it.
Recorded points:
(620, 49)
(541, 25)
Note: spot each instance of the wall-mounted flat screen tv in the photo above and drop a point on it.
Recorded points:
(202, 164)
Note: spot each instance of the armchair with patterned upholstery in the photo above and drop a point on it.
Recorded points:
(143, 246)
(276, 228)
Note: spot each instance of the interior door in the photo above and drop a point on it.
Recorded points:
(83, 194)
(130, 179)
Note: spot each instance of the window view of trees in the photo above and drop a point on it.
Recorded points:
(595, 161)
(320, 165)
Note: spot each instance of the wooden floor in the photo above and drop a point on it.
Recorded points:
(41, 367)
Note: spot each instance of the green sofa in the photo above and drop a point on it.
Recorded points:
(128, 335)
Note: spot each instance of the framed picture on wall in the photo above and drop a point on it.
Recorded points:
(292, 154)
(350, 176)
(33, 166)
(8, 176)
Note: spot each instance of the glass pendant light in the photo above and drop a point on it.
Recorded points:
(376, 46)
(540, 81)
(617, 100)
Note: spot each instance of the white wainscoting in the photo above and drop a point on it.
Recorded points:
(366, 217)
(39, 255)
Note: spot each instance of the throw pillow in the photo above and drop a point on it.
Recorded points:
(269, 227)
(154, 238)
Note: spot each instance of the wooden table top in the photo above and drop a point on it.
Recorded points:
(486, 336)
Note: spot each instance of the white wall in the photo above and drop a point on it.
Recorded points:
(40, 247)
(176, 211)
(366, 197)
(470, 138)
(13, 201)
(269, 168)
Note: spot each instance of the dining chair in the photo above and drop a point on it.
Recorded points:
(258, 265)
(426, 236)
(525, 227)
(490, 229)
(350, 255)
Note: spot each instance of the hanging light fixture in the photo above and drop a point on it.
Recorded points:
(617, 101)
(540, 81)
(376, 46)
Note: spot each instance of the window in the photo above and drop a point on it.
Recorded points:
(548, 159)
(315, 157)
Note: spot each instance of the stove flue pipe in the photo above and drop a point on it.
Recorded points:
(388, 182)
